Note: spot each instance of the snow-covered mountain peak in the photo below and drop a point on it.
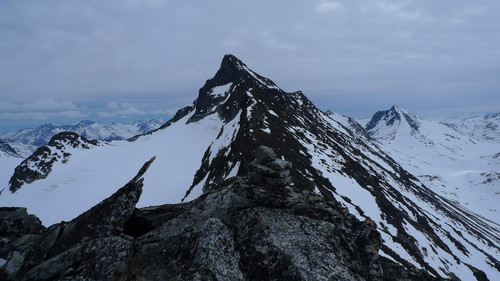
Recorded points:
(234, 69)
(386, 124)
(455, 158)
(70, 139)
(229, 90)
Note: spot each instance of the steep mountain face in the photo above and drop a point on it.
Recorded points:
(91, 130)
(40, 163)
(9, 159)
(237, 111)
(7, 151)
(449, 161)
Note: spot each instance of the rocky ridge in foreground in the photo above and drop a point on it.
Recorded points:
(242, 229)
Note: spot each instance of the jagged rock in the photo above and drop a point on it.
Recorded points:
(18, 230)
(216, 251)
(108, 218)
(17, 222)
(87, 248)
(246, 231)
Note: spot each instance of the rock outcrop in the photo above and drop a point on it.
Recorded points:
(39, 164)
(246, 228)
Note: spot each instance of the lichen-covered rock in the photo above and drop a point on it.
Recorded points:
(288, 247)
(216, 251)
(104, 259)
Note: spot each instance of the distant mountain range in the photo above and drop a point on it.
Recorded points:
(482, 127)
(325, 199)
(25, 141)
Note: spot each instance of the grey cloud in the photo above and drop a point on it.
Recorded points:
(43, 115)
(156, 54)
(39, 104)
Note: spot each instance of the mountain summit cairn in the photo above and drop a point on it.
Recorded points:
(268, 169)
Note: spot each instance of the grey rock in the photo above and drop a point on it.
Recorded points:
(14, 263)
(108, 218)
(279, 164)
(288, 247)
(18, 230)
(268, 171)
(216, 251)
(278, 181)
(55, 266)
(17, 222)
(264, 154)
(104, 259)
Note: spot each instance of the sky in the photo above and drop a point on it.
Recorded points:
(118, 61)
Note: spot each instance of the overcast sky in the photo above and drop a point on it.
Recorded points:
(64, 61)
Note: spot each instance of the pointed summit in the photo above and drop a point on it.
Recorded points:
(231, 70)
(385, 124)
(230, 86)
(234, 70)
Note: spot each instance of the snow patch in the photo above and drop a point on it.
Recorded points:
(220, 91)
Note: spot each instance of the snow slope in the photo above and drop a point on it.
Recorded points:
(480, 127)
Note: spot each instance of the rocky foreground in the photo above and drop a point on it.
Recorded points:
(260, 227)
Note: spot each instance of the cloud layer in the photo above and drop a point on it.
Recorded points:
(155, 55)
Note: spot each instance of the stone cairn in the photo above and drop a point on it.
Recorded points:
(268, 169)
